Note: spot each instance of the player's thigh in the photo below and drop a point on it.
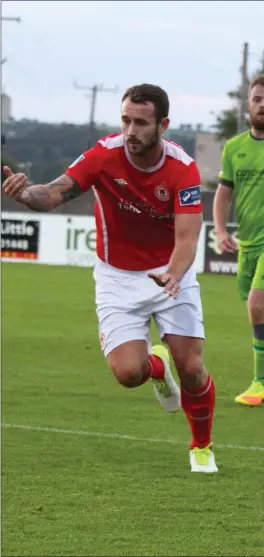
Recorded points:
(245, 273)
(181, 327)
(256, 295)
(120, 318)
(258, 278)
(117, 327)
(125, 341)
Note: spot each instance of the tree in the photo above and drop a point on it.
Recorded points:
(226, 122)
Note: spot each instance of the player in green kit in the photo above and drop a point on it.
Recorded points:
(242, 176)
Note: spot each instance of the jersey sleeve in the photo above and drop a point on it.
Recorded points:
(86, 168)
(226, 172)
(188, 191)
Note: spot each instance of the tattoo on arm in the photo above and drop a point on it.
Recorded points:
(71, 194)
(49, 196)
(37, 198)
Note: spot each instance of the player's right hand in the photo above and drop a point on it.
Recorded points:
(15, 184)
(170, 283)
(226, 243)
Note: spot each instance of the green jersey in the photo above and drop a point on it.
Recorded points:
(243, 171)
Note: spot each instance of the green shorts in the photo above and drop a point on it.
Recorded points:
(250, 272)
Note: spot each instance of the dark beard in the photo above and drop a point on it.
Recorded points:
(257, 124)
(153, 142)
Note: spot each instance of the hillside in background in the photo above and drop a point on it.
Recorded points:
(45, 150)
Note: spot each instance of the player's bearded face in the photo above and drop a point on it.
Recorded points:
(142, 143)
(256, 107)
(141, 131)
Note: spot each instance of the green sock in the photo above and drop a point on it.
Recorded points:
(258, 354)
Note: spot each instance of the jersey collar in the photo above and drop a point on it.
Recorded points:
(256, 138)
(152, 168)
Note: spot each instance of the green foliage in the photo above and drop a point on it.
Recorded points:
(52, 147)
(226, 122)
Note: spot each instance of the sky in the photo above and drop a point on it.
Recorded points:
(193, 49)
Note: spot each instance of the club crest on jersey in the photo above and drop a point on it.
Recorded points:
(162, 193)
(190, 196)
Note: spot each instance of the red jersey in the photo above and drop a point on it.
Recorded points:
(135, 208)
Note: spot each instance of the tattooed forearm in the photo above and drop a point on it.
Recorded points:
(69, 195)
(38, 198)
(47, 197)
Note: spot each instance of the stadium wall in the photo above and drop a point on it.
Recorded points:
(71, 240)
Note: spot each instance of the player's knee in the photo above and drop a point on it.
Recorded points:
(256, 307)
(129, 375)
(256, 314)
(190, 368)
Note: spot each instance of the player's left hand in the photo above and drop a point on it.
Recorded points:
(170, 284)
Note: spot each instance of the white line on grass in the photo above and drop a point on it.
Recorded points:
(121, 436)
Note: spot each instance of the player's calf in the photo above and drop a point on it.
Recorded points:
(254, 395)
(197, 398)
(187, 357)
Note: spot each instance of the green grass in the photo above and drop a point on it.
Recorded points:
(83, 495)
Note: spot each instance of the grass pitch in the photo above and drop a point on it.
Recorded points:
(103, 470)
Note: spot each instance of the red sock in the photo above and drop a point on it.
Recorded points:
(155, 369)
(199, 407)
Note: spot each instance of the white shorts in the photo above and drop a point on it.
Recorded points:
(126, 301)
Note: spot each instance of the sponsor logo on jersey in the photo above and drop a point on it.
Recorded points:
(162, 193)
(120, 182)
(80, 158)
(143, 207)
(128, 206)
(190, 196)
(249, 173)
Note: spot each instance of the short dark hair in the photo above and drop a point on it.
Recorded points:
(257, 80)
(141, 94)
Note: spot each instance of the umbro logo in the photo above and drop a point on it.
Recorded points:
(120, 182)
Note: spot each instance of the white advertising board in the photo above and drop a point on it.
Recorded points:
(57, 240)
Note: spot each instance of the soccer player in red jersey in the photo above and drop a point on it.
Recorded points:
(148, 214)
